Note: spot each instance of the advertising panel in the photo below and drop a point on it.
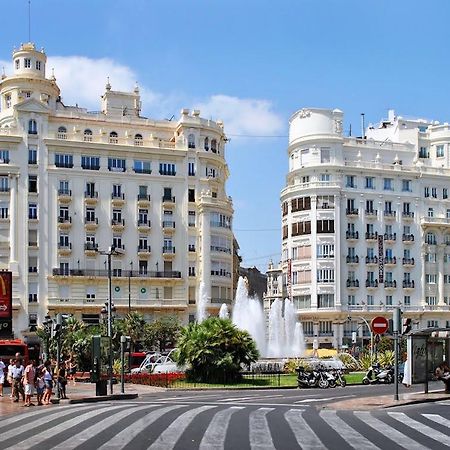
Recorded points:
(5, 304)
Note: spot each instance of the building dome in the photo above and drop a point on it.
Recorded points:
(29, 61)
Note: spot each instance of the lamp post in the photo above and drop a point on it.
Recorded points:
(370, 331)
(129, 286)
(48, 323)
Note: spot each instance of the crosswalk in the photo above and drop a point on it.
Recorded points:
(162, 426)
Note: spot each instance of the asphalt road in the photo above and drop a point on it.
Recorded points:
(263, 420)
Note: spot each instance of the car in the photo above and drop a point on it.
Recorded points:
(158, 363)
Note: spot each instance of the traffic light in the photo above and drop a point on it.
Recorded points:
(353, 337)
(407, 325)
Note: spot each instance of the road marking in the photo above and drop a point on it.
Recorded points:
(238, 399)
(353, 438)
(438, 419)
(304, 434)
(37, 439)
(44, 419)
(388, 431)
(421, 428)
(219, 403)
(444, 402)
(260, 436)
(308, 400)
(126, 435)
(215, 434)
(87, 433)
(169, 437)
(182, 398)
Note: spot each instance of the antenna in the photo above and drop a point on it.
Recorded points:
(29, 20)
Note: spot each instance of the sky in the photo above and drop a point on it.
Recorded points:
(251, 64)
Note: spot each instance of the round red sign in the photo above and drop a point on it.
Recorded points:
(379, 325)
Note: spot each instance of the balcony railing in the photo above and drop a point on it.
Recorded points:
(371, 283)
(65, 219)
(352, 259)
(390, 284)
(353, 283)
(371, 259)
(143, 197)
(352, 235)
(143, 249)
(168, 199)
(408, 284)
(407, 214)
(371, 212)
(117, 196)
(143, 223)
(65, 245)
(67, 192)
(408, 261)
(371, 236)
(390, 260)
(168, 250)
(91, 220)
(408, 238)
(123, 274)
(88, 194)
(118, 222)
(168, 224)
(390, 236)
(351, 211)
(390, 213)
(90, 166)
(90, 246)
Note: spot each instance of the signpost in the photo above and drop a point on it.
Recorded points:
(379, 325)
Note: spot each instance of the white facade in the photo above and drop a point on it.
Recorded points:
(73, 183)
(366, 223)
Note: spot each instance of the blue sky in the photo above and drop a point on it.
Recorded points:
(252, 64)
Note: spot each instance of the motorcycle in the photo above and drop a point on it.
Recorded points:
(339, 378)
(326, 378)
(306, 378)
(377, 375)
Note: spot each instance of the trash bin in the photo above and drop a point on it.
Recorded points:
(100, 387)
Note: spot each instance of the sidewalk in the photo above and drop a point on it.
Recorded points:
(387, 401)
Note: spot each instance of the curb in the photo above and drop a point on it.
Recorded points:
(101, 398)
(415, 402)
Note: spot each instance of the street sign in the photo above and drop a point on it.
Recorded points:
(379, 325)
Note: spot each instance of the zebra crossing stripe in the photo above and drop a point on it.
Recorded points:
(260, 436)
(388, 431)
(438, 419)
(304, 434)
(37, 439)
(27, 425)
(82, 436)
(215, 434)
(353, 438)
(169, 437)
(120, 440)
(421, 428)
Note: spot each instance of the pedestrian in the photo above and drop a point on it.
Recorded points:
(2, 375)
(17, 374)
(28, 381)
(40, 385)
(406, 372)
(71, 367)
(10, 376)
(62, 380)
(48, 382)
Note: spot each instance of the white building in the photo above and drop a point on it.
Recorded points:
(366, 223)
(74, 183)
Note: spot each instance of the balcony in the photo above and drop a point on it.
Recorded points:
(408, 284)
(168, 226)
(371, 213)
(408, 215)
(353, 283)
(144, 225)
(391, 284)
(371, 236)
(168, 252)
(352, 259)
(408, 262)
(390, 237)
(91, 198)
(371, 260)
(191, 248)
(389, 214)
(118, 224)
(59, 272)
(64, 223)
(443, 221)
(371, 283)
(408, 238)
(143, 199)
(390, 260)
(90, 248)
(33, 270)
(216, 249)
(352, 212)
(352, 235)
(168, 201)
(117, 199)
(143, 251)
(90, 166)
(64, 195)
(64, 248)
(90, 223)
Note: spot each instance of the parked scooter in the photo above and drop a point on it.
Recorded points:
(339, 378)
(306, 378)
(377, 375)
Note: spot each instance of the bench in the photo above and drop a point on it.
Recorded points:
(82, 376)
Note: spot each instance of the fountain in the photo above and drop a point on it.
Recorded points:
(202, 301)
(285, 335)
(223, 312)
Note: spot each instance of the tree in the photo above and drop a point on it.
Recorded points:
(133, 325)
(162, 333)
(214, 349)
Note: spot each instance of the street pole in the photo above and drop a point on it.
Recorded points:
(129, 287)
(370, 331)
(396, 328)
(123, 340)
(110, 324)
(58, 352)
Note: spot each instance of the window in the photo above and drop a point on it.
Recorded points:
(87, 135)
(430, 239)
(4, 211)
(64, 268)
(143, 243)
(214, 146)
(63, 214)
(4, 156)
(388, 184)
(90, 162)
(325, 177)
(211, 172)
(32, 211)
(116, 216)
(434, 192)
(191, 271)
(221, 268)
(143, 217)
(430, 278)
(301, 228)
(439, 151)
(448, 213)
(17, 62)
(407, 300)
(141, 166)
(32, 127)
(219, 220)
(32, 183)
(116, 165)
(138, 140)
(32, 154)
(64, 241)
(191, 195)
(370, 300)
(325, 202)
(325, 251)
(27, 63)
(90, 215)
(62, 133)
(117, 242)
(388, 207)
(423, 152)
(326, 328)
(191, 169)
(90, 190)
(113, 137)
(325, 300)
(143, 193)
(325, 155)
(90, 294)
(167, 169)
(406, 186)
(388, 300)
(432, 323)
(191, 141)
(64, 161)
(8, 102)
(325, 276)
(370, 182)
(430, 300)
(430, 257)
(350, 181)
(325, 226)
(38, 65)
(301, 204)
(445, 193)
(191, 218)
(206, 145)
(426, 191)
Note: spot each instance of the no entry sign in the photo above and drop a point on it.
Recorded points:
(379, 325)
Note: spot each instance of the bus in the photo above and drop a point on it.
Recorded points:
(9, 348)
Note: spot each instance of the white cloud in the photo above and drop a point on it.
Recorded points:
(243, 115)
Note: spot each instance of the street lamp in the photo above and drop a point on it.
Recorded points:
(112, 251)
(129, 286)
(349, 318)
(48, 323)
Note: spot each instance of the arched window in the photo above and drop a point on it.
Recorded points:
(214, 146)
(62, 133)
(87, 135)
(191, 141)
(62, 130)
(113, 139)
(138, 139)
(32, 127)
(206, 143)
(430, 239)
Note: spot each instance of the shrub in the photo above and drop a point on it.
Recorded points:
(292, 364)
(154, 379)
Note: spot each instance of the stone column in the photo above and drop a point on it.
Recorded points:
(422, 261)
(440, 261)
(337, 251)
(205, 263)
(13, 220)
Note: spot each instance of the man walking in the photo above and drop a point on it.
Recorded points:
(17, 374)
(28, 382)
